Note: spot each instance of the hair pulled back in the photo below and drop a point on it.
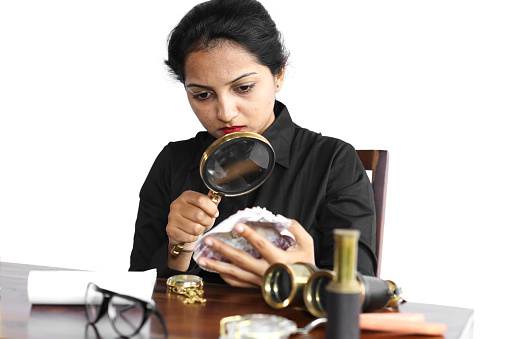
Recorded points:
(245, 22)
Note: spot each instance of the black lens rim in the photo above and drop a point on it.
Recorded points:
(148, 308)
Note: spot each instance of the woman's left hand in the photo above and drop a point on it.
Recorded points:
(246, 271)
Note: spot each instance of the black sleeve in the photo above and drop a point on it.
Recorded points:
(150, 245)
(349, 204)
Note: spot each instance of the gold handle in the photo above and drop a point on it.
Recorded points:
(177, 248)
(215, 197)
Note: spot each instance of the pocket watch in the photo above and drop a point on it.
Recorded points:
(191, 286)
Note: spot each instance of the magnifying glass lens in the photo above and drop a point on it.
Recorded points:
(238, 166)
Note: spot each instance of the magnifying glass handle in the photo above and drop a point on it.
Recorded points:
(177, 248)
(215, 197)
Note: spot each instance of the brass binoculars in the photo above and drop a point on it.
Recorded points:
(302, 286)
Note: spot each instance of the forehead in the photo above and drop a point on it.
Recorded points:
(221, 64)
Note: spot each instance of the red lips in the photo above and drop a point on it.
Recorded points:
(228, 130)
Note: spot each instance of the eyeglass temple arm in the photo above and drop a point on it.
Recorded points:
(158, 315)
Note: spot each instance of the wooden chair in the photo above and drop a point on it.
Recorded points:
(378, 163)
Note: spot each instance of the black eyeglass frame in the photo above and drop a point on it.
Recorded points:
(148, 308)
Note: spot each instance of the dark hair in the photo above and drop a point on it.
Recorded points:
(245, 22)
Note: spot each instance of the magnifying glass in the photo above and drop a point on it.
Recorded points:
(233, 165)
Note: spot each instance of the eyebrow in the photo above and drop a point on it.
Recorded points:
(228, 83)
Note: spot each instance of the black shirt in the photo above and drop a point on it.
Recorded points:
(318, 181)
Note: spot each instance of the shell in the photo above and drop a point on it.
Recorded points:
(273, 228)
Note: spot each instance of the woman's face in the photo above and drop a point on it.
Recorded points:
(230, 91)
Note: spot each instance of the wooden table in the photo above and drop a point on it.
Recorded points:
(20, 319)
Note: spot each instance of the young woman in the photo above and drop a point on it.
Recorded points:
(229, 56)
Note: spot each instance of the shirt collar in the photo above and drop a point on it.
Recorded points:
(279, 134)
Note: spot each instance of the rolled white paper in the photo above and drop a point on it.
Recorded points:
(69, 287)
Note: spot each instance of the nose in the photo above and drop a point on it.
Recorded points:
(226, 109)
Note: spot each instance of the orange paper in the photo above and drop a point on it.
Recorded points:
(407, 323)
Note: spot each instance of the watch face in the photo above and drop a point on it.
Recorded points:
(184, 283)
(257, 326)
(184, 278)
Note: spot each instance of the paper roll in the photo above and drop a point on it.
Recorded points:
(69, 287)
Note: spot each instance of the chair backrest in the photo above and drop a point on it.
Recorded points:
(378, 163)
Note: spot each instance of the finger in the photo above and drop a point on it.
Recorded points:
(203, 202)
(179, 226)
(195, 207)
(233, 281)
(302, 236)
(303, 249)
(235, 275)
(187, 218)
(237, 257)
(266, 249)
(181, 234)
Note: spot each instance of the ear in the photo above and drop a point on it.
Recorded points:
(280, 79)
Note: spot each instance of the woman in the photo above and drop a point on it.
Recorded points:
(230, 58)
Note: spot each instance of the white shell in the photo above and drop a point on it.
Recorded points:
(273, 228)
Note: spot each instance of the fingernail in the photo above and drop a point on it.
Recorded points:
(202, 262)
(216, 215)
(239, 228)
(208, 241)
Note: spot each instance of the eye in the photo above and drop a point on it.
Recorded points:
(244, 88)
(202, 95)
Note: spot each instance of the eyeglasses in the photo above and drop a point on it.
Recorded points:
(127, 314)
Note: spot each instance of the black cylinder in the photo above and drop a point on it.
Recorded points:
(344, 292)
(343, 315)
(376, 293)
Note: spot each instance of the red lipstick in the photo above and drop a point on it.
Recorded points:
(228, 130)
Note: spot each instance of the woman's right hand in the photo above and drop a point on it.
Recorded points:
(191, 215)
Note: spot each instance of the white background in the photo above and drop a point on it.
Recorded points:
(86, 105)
